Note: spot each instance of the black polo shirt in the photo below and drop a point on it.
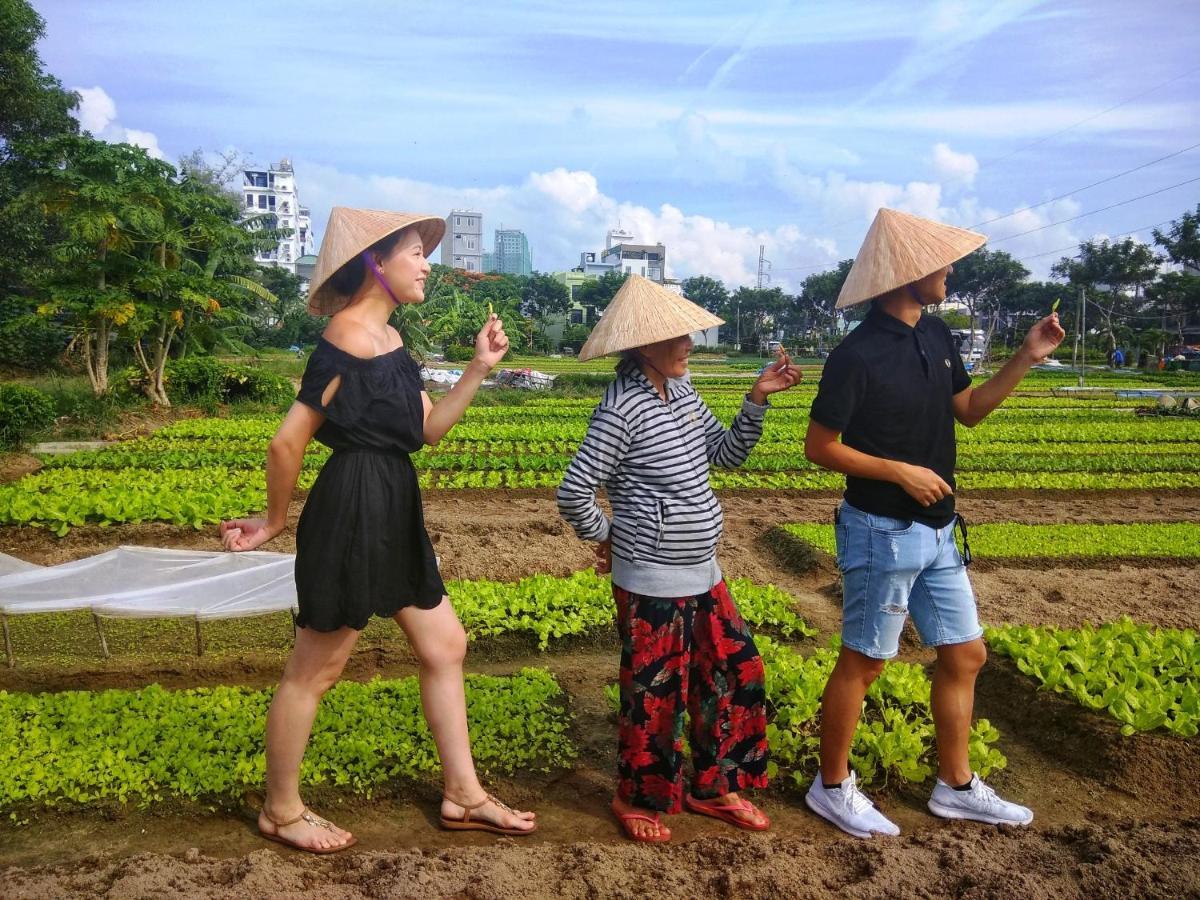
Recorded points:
(887, 388)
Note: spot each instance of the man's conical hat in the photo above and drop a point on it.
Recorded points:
(901, 248)
(644, 312)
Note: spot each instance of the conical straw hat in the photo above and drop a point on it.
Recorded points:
(349, 233)
(900, 249)
(644, 312)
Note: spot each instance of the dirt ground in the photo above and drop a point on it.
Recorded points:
(1115, 816)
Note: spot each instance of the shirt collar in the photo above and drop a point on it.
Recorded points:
(676, 387)
(878, 318)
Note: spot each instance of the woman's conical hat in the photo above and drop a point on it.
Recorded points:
(349, 233)
(644, 312)
(899, 249)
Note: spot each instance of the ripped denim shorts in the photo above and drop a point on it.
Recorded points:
(893, 568)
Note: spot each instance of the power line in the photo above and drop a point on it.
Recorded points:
(1092, 212)
(1090, 118)
(1154, 318)
(1075, 246)
(1088, 187)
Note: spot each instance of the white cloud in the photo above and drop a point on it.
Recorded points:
(97, 113)
(565, 212)
(146, 140)
(96, 109)
(839, 198)
(952, 168)
(1027, 234)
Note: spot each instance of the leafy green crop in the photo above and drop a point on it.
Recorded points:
(1144, 677)
(895, 736)
(1161, 540)
(553, 608)
(145, 745)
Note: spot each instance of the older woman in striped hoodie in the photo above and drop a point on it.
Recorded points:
(684, 645)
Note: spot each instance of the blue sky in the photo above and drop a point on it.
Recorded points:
(711, 127)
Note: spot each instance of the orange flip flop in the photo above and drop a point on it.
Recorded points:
(626, 818)
(727, 812)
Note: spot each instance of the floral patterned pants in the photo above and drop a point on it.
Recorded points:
(694, 654)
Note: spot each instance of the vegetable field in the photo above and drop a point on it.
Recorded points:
(1084, 515)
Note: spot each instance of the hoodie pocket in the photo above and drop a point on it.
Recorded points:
(688, 531)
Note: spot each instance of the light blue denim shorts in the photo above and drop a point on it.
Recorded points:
(894, 568)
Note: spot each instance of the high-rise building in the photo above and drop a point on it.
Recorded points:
(462, 247)
(511, 255)
(272, 194)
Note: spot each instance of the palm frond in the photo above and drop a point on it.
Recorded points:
(252, 287)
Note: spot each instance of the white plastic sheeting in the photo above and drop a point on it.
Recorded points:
(148, 581)
(441, 376)
(10, 564)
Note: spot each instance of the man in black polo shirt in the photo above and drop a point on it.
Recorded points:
(892, 391)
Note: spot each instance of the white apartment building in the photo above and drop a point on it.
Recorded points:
(272, 192)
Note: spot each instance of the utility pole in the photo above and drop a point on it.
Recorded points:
(764, 278)
(1082, 334)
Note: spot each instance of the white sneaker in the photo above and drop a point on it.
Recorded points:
(979, 804)
(848, 808)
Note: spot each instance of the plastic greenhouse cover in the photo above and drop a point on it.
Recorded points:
(148, 581)
(10, 564)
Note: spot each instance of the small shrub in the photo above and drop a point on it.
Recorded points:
(24, 411)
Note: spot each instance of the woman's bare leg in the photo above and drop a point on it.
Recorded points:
(313, 668)
(438, 639)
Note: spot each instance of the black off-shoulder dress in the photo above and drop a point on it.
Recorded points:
(361, 545)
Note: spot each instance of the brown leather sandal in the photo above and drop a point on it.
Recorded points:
(312, 819)
(466, 823)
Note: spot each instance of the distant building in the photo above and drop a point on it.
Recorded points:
(623, 254)
(577, 313)
(511, 255)
(305, 266)
(272, 194)
(462, 247)
(589, 264)
(647, 260)
(617, 235)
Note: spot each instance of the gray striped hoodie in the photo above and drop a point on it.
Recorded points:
(653, 458)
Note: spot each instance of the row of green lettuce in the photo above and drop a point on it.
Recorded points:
(1159, 540)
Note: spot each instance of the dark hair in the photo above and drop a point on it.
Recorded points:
(349, 278)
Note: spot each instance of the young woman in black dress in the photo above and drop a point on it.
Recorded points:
(361, 544)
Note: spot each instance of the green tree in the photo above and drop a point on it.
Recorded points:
(756, 312)
(1182, 240)
(982, 280)
(1176, 297)
(33, 108)
(599, 293)
(543, 296)
(33, 104)
(100, 199)
(815, 307)
(706, 292)
(1113, 276)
